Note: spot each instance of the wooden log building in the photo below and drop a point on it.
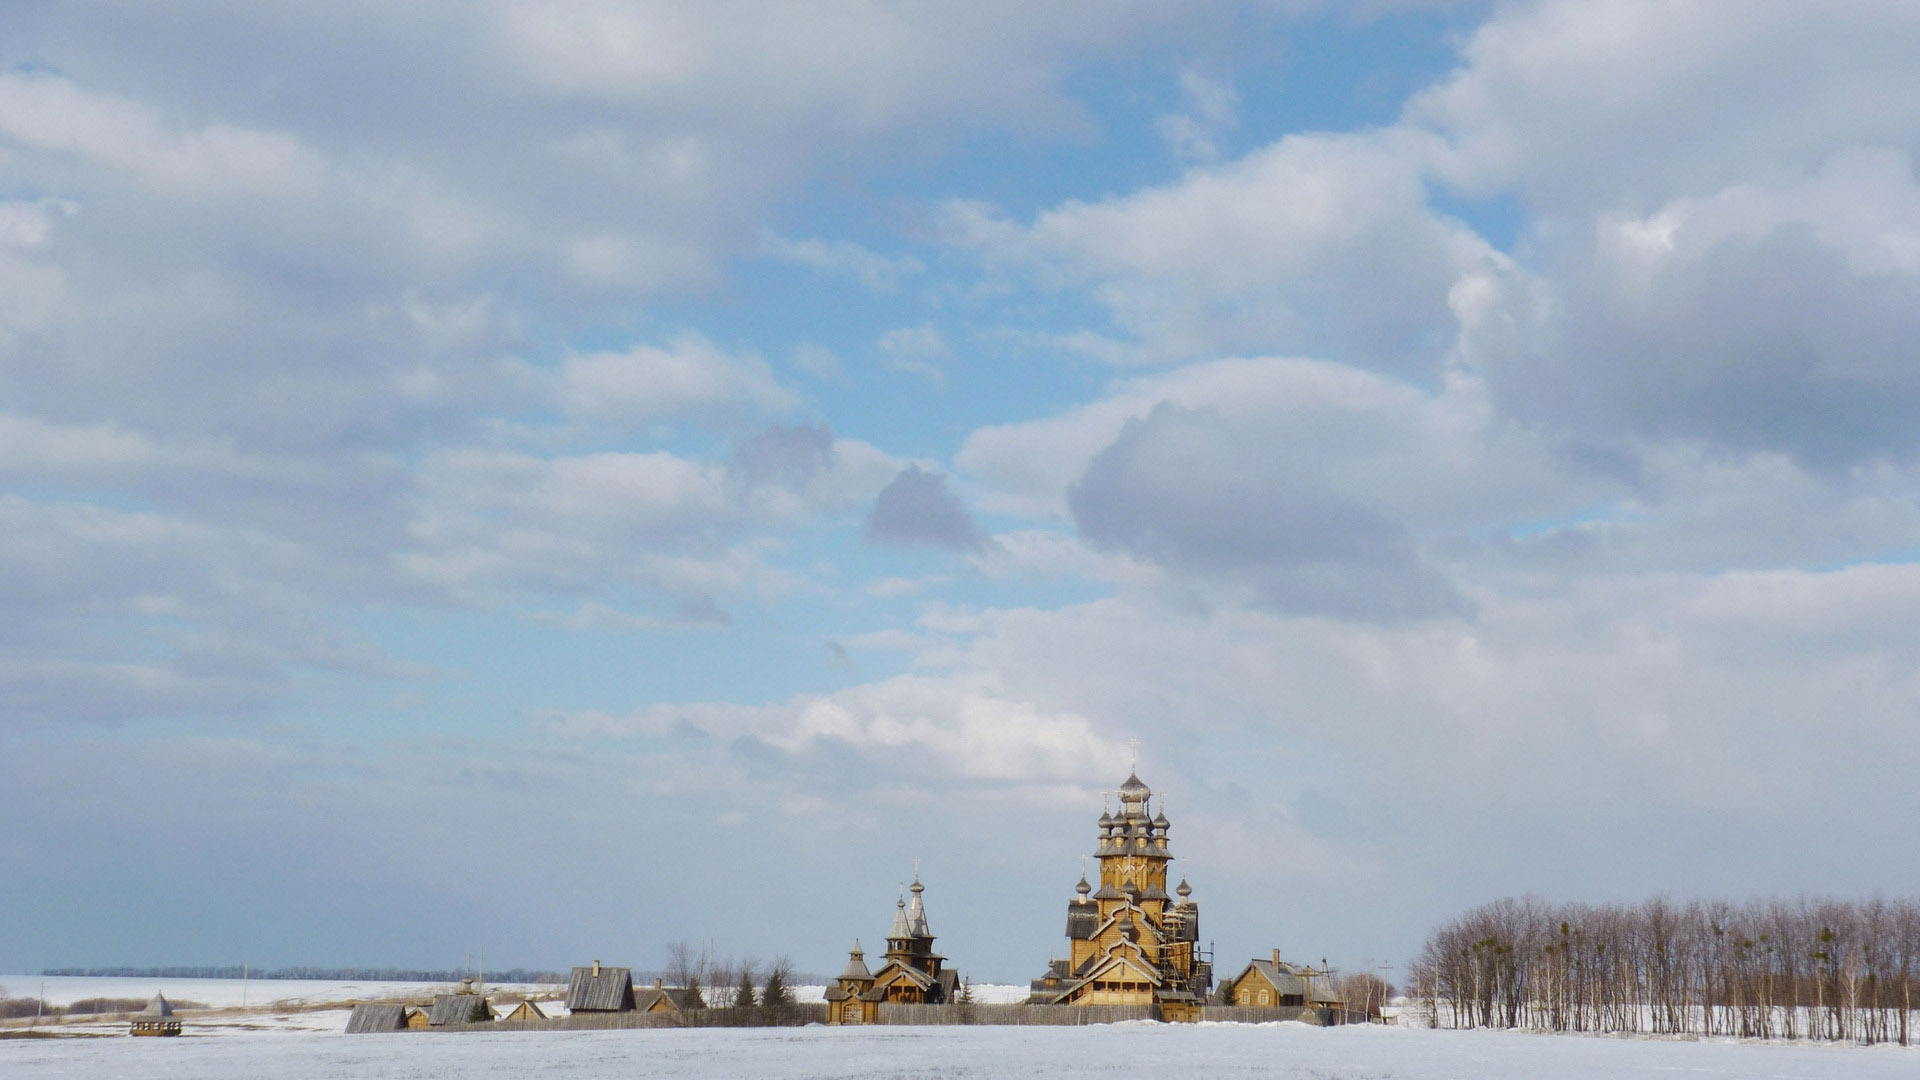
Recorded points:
(1129, 943)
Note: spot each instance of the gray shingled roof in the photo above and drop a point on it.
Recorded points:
(157, 1007)
(367, 1018)
(902, 927)
(459, 1009)
(609, 991)
(857, 965)
(647, 997)
(1287, 979)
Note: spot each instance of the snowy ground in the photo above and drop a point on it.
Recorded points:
(953, 1053)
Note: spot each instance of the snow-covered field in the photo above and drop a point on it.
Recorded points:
(954, 1053)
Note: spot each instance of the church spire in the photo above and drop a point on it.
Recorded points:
(916, 910)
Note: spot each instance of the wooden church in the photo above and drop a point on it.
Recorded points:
(1128, 942)
(910, 973)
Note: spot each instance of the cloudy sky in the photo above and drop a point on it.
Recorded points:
(561, 478)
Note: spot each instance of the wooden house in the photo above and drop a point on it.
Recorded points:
(417, 1019)
(1274, 983)
(372, 1016)
(156, 1019)
(658, 998)
(1129, 943)
(526, 1010)
(600, 989)
(459, 1009)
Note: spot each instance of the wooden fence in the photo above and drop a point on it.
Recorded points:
(934, 1015)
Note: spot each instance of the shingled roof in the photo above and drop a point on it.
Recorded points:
(367, 1018)
(459, 1009)
(158, 1007)
(600, 989)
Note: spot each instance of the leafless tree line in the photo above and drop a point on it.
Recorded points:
(722, 983)
(1807, 968)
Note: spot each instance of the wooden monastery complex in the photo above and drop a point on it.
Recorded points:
(1133, 953)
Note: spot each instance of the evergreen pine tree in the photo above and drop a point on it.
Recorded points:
(966, 992)
(694, 999)
(776, 995)
(743, 998)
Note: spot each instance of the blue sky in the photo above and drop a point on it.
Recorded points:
(565, 478)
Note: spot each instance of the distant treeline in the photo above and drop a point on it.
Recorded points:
(316, 974)
(12, 1008)
(1807, 968)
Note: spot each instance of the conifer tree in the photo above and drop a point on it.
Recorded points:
(777, 994)
(743, 997)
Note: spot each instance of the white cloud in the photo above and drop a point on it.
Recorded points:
(1213, 107)
(47, 112)
(1621, 106)
(690, 374)
(1318, 243)
(916, 350)
(881, 273)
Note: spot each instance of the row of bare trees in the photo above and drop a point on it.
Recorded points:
(715, 982)
(1807, 968)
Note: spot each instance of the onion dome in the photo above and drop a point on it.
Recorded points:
(1106, 819)
(917, 911)
(1160, 822)
(1185, 890)
(1134, 789)
(1083, 888)
(901, 927)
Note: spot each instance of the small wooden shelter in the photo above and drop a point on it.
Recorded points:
(600, 989)
(526, 1010)
(156, 1019)
(372, 1016)
(417, 1019)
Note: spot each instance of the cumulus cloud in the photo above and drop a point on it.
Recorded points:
(50, 113)
(1183, 488)
(689, 375)
(917, 509)
(1319, 243)
(1761, 317)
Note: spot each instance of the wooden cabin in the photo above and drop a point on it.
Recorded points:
(156, 1019)
(526, 1010)
(417, 1019)
(659, 999)
(459, 1009)
(372, 1016)
(1273, 983)
(600, 989)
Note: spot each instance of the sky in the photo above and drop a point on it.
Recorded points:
(558, 479)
